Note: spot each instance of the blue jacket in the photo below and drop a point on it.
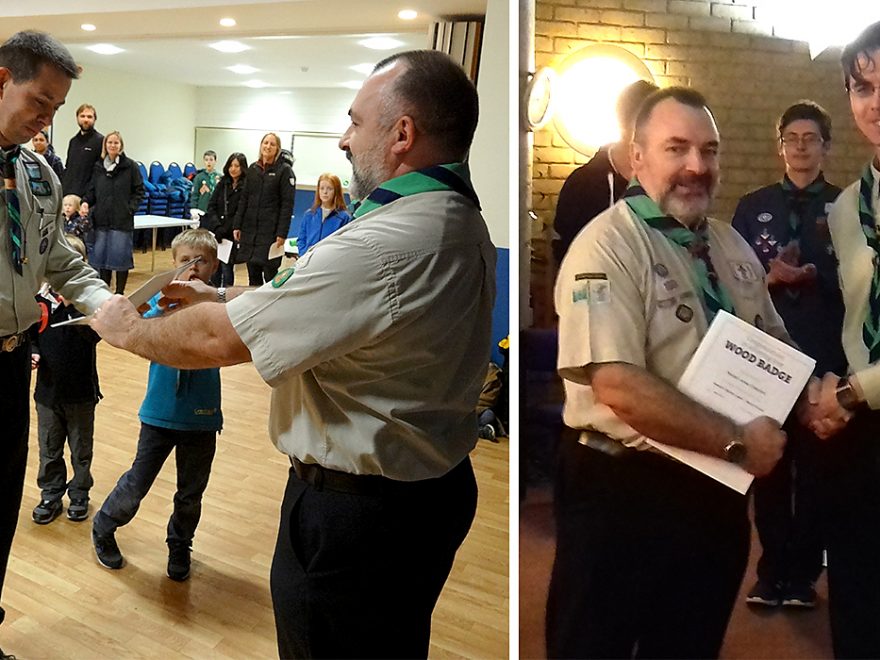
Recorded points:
(181, 399)
(313, 228)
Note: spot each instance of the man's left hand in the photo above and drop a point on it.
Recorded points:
(115, 320)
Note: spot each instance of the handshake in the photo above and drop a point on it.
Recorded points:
(822, 410)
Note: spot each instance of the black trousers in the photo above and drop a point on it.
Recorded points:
(788, 513)
(852, 463)
(15, 380)
(260, 272)
(358, 576)
(649, 557)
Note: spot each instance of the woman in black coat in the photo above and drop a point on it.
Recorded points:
(114, 194)
(264, 211)
(222, 208)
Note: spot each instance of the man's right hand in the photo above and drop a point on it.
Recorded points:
(764, 442)
(84, 209)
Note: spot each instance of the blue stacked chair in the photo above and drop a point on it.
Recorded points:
(159, 197)
(177, 189)
(189, 171)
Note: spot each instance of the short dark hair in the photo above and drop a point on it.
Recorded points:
(864, 44)
(806, 109)
(438, 95)
(242, 163)
(210, 152)
(25, 52)
(629, 102)
(684, 95)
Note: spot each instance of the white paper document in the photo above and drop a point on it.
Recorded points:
(142, 295)
(224, 250)
(276, 251)
(742, 373)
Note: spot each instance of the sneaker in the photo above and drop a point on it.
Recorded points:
(46, 511)
(800, 594)
(78, 509)
(107, 551)
(178, 562)
(764, 594)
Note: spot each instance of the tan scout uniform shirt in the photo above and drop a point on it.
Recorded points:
(625, 293)
(856, 268)
(49, 257)
(376, 347)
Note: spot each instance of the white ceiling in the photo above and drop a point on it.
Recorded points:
(294, 43)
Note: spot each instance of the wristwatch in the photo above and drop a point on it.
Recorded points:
(846, 395)
(221, 294)
(735, 452)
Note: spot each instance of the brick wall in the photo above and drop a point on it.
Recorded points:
(748, 75)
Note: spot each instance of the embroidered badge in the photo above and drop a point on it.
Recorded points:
(684, 313)
(581, 293)
(666, 302)
(745, 272)
(282, 276)
(766, 242)
(765, 217)
(590, 276)
(44, 245)
(600, 292)
(292, 181)
(661, 270)
(670, 285)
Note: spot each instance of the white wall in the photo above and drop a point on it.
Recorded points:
(490, 153)
(155, 117)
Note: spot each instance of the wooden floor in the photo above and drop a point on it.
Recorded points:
(61, 604)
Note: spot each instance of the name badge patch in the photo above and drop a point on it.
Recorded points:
(282, 276)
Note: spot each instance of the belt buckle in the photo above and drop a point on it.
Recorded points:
(10, 343)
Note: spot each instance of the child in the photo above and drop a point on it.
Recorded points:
(181, 411)
(66, 395)
(74, 223)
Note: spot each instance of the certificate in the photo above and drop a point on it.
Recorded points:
(143, 294)
(742, 373)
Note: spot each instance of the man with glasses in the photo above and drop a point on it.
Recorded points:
(786, 224)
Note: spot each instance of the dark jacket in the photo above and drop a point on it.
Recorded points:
(83, 151)
(584, 195)
(813, 313)
(114, 196)
(264, 210)
(222, 208)
(54, 162)
(68, 371)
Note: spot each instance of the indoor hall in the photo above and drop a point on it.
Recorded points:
(171, 96)
(751, 61)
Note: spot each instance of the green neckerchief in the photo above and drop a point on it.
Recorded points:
(871, 328)
(798, 199)
(714, 295)
(451, 176)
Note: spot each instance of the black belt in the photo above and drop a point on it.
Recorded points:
(10, 342)
(344, 482)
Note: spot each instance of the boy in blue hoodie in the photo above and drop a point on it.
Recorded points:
(181, 411)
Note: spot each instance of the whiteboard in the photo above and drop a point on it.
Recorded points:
(315, 153)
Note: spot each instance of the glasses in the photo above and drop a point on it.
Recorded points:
(809, 140)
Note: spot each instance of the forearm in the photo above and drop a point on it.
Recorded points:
(196, 337)
(659, 411)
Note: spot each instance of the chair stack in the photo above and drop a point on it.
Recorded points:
(158, 195)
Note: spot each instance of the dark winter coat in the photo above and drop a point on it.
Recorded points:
(222, 208)
(114, 196)
(83, 152)
(264, 210)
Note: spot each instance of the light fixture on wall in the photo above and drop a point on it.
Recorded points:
(585, 93)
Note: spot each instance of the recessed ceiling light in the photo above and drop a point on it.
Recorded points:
(366, 68)
(88, 27)
(229, 46)
(105, 49)
(243, 69)
(227, 22)
(407, 14)
(353, 84)
(256, 84)
(380, 43)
